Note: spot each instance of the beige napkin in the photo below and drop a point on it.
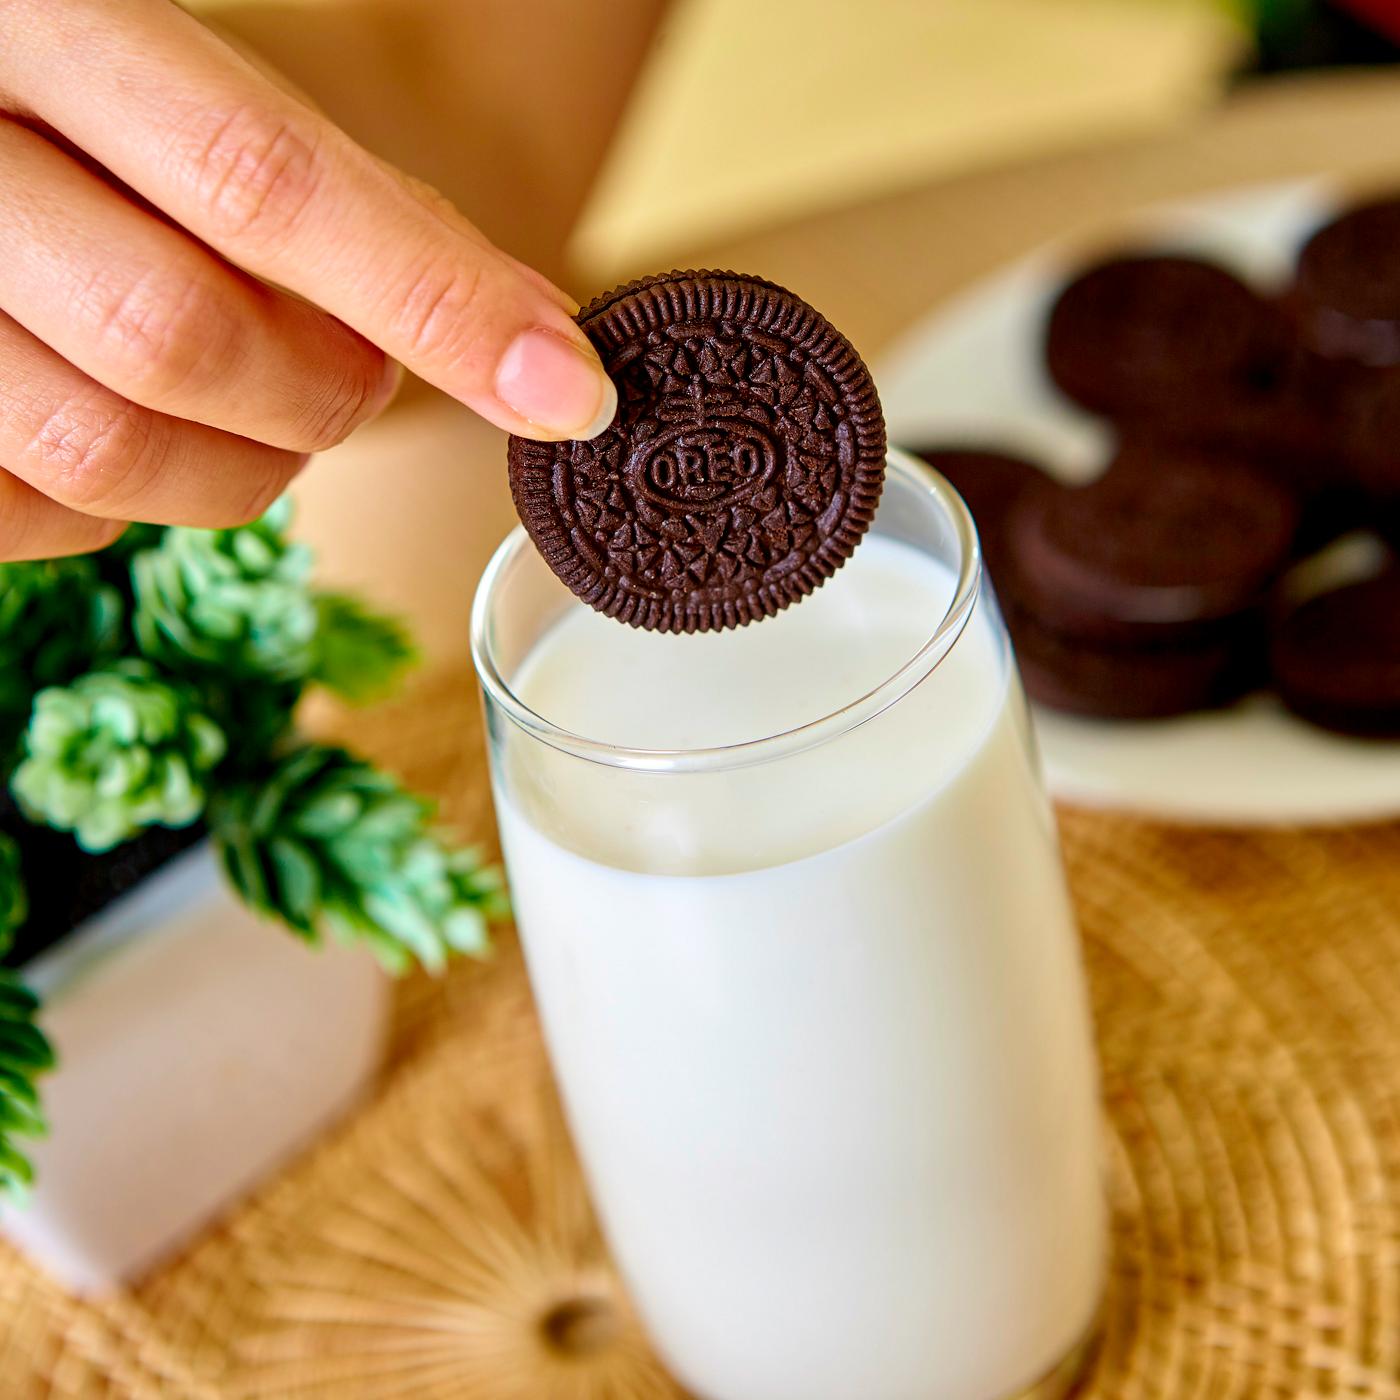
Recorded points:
(752, 111)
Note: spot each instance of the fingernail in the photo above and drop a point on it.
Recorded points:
(555, 385)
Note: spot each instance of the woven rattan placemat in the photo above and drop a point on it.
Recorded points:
(1247, 994)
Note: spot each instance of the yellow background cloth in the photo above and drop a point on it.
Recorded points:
(752, 111)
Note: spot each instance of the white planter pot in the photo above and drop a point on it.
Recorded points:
(198, 1047)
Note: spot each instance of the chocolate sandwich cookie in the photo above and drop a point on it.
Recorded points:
(743, 467)
(1164, 544)
(1288, 432)
(1383, 516)
(990, 484)
(1346, 290)
(1366, 418)
(1284, 420)
(1147, 682)
(1160, 338)
(1336, 659)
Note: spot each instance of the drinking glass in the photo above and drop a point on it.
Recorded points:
(813, 999)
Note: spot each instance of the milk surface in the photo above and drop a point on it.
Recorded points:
(819, 1024)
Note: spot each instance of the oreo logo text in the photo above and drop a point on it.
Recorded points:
(703, 468)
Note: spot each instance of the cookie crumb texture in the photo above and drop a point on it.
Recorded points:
(742, 469)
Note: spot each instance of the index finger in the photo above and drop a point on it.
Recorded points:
(195, 129)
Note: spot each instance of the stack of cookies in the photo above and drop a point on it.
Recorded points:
(1252, 432)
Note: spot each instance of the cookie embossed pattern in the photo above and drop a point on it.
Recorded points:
(743, 466)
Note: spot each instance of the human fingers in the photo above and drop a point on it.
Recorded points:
(89, 449)
(144, 309)
(278, 190)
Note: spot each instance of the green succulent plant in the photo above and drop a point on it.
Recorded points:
(235, 602)
(14, 901)
(360, 654)
(326, 838)
(24, 1051)
(156, 684)
(56, 619)
(115, 752)
(25, 1054)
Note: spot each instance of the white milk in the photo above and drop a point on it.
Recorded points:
(829, 1070)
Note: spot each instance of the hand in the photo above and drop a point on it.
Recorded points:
(202, 281)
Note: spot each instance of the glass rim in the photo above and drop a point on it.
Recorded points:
(766, 748)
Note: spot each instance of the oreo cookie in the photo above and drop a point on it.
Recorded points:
(1166, 543)
(1126, 682)
(1384, 517)
(1346, 289)
(1336, 659)
(742, 469)
(1367, 417)
(1174, 339)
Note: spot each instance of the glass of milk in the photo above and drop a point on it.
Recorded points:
(797, 929)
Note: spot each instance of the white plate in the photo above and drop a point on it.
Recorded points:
(972, 373)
